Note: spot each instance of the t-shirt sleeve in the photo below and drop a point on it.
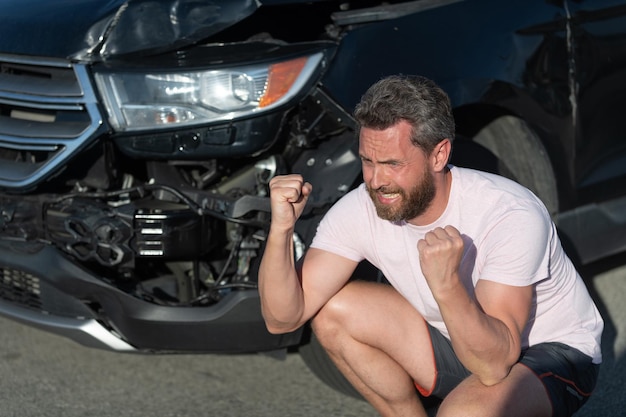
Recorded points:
(517, 248)
(341, 230)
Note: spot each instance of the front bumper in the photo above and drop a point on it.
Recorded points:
(42, 288)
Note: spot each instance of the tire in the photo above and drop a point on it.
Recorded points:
(521, 157)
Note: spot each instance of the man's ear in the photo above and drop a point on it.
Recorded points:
(441, 154)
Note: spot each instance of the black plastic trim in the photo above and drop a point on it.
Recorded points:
(232, 325)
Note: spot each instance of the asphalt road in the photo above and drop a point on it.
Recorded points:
(45, 375)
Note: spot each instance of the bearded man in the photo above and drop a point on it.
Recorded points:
(485, 310)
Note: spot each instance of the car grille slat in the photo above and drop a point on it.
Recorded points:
(32, 85)
(21, 288)
(30, 129)
(48, 109)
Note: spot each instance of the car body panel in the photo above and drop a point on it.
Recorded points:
(78, 231)
(91, 30)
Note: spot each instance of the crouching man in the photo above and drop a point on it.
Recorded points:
(484, 310)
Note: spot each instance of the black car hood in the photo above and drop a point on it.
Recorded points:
(96, 29)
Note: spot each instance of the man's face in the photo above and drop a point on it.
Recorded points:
(397, 173)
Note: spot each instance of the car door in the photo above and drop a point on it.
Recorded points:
(598, 46)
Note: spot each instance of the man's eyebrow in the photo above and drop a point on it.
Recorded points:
(383, 162)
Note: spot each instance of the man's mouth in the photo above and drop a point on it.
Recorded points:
(388, 197)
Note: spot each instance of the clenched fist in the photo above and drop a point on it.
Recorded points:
(288, 196)
(440, 253)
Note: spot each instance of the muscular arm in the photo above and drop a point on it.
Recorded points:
(290, 294)
(486, 335)
(282, 298)
(485, 332)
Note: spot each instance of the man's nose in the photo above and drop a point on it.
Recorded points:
(378, 178)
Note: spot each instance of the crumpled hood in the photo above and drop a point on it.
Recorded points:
(97, 29)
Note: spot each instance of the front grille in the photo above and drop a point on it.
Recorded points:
(21, 288)
(48, 112)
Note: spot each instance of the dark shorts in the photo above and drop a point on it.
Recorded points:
(568, 375)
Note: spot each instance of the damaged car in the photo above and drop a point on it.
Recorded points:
(138, 138)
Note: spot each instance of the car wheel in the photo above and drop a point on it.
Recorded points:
(521, 157)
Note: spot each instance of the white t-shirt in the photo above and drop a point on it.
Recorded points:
(509, 238)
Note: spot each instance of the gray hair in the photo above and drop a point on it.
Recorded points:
(415, 99)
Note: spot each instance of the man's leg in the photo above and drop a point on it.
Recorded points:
(551, 379)
(521, 394)
(380, 343)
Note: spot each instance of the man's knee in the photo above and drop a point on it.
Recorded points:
(459, 403)
(519, 394)
(335, 316)
(472, 399)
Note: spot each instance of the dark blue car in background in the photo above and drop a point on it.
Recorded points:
(138, 137)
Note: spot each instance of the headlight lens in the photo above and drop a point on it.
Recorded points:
(136, 101)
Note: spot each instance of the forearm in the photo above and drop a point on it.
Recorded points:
(484, 344)
(282, 298)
